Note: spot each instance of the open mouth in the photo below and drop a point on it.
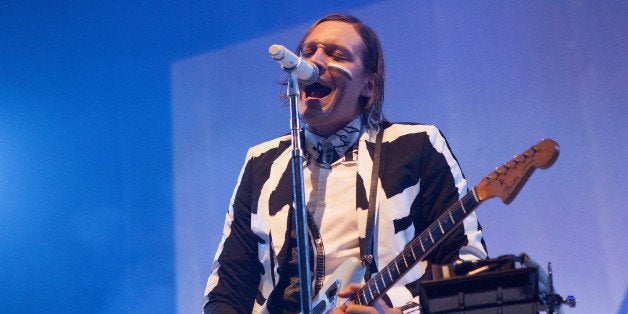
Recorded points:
(316, 90)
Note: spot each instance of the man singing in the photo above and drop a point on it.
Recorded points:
(256, 266)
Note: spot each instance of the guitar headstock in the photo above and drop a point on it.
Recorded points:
(506, 181)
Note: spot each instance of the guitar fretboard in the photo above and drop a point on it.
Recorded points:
(417, 249)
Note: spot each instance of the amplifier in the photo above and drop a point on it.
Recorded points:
(513, 291)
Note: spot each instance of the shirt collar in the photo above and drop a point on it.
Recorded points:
(328, 150)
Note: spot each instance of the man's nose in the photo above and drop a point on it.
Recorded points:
(319, 59)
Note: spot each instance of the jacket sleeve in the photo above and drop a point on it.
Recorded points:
(233, 282)
(441, 184)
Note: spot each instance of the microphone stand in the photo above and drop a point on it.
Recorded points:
(299, 195)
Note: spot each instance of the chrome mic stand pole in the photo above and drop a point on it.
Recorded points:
(299, 196)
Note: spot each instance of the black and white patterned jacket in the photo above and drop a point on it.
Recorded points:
(419, 180)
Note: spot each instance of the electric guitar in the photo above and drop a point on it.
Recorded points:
(505, 182)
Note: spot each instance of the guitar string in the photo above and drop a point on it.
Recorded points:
(412, 245)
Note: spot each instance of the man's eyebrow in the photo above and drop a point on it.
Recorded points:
(328, 46)
(338, 47)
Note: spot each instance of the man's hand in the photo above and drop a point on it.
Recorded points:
(350, 308)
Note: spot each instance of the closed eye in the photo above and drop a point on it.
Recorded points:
(339, 53)
(306, 53)
(338, 57)
(308, 49)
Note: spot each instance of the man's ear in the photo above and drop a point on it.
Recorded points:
(369, 88)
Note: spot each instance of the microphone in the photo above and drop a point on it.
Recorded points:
(306, 72)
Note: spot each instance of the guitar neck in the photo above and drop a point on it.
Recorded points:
(417, 249)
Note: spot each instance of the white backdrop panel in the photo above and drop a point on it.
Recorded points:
(495, 77)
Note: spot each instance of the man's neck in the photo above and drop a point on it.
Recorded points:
(327, 150)
(328, 130)
(325, 131)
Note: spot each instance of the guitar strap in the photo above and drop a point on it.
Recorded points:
(367, 252)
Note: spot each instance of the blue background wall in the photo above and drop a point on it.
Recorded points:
(115, 167)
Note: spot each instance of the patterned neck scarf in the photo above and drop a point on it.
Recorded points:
(326, 151)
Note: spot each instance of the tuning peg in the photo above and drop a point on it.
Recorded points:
(498, 171)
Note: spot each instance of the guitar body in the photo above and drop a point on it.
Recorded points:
(350, 271)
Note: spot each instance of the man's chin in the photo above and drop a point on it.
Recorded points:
(311, 117)
(314, 117)
(312, 102)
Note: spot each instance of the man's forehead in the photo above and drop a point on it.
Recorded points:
(337, 33)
